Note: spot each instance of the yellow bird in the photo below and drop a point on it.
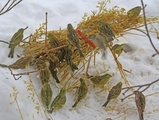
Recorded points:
(15, 40)
(113, 93)
(59, 101)
(106, 29)
(119, 48)
(46, 94)
(100, 80)
(134, 12)
(73, 38)
(82, 92)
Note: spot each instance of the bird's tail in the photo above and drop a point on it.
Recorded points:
(141, 116)
(11, 53)
(80, 52)
(73, 66)
(105, 104)
(55, 76)
(75, 104)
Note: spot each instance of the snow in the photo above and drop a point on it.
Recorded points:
(143, 67)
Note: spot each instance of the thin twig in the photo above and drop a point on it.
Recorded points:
(11, 6)
(148, 84)
(147, 32)
(19, 109)
(15, 4)
(46, 32)
(139, 30)
(26, 38)
(122, 73)
(14, 74)
(126, 97)
(24, 73)
(4, 41)
(139, 87)
(4, 6)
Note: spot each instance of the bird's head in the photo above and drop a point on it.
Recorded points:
(119, 85)
(69, 26)
(63, 91)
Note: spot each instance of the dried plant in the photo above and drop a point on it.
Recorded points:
(58, 53)
(10, 4)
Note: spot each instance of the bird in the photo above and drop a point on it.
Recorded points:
(100, 40)
(73, 38)
(140, 103)
(59, 101)
(113, 93)
(103, 38)
(41, 65)
(68, 58)
(54, 42)
(100, 80)
(119, 48)
(82, 92)
(106, 29)
(54, 73)
(15, 40)
(44, 76)
(53, 65)
(134, 12)
(46, 94)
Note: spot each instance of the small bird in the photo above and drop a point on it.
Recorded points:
(54, 73)
(106, 29)
(59, 101)
(134, 12)
(44, 76)
(40, 63)
(100, 80)
(15, 40)
(68, 58)
(118, 49)
(82, 92)
(100, 41)
(54, 42)
(53, 65)
(46, 94)
(113, 93)
(107, 33)
(73, 38)
(140, 103)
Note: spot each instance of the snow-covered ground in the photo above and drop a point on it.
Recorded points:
(143, 67)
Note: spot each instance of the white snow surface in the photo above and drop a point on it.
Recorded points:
(143, 67)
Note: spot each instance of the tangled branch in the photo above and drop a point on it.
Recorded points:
(9, 5)
(139, 87)
(146, 28)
